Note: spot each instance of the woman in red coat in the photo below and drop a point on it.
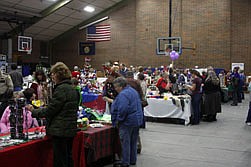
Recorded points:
(164, 84)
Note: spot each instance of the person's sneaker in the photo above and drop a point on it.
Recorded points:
(249, 123)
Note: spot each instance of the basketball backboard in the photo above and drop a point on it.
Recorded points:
(25, 44)
(168, 44)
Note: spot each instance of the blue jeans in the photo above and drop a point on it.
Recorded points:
(196, 98)
(128, 138)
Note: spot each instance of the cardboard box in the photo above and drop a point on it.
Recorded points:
(100, 74)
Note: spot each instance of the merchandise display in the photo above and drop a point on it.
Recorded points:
(83, 123)
(6, 140)
(16, 119)
(96, 125)
(168, 106)
(93, 118)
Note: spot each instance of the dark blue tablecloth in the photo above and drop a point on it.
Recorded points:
(89, 97)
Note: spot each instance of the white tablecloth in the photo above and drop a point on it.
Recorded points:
(160, 108)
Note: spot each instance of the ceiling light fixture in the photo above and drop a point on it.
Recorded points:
(89, 9)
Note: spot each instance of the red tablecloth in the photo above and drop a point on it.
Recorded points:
(99, 143)
(36, 153)
(98, 104)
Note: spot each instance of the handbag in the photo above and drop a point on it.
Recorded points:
(144, 103)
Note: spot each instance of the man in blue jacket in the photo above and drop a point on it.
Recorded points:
(126, 112)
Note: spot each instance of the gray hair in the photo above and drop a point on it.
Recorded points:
(213, 77)
(120, 81)
(210, 68)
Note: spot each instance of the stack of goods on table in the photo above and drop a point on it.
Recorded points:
(93, 118)
(7, 140)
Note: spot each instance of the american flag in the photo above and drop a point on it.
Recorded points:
(98, 33)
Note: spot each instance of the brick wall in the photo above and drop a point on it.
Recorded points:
(206, 24)
(121, 47)
(214, 27)
(241, 33)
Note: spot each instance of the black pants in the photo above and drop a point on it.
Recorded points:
(235, 96)
(62, 151)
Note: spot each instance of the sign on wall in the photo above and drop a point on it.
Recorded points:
(240, 65)
(86, 48)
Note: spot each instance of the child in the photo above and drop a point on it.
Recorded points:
(28, 122)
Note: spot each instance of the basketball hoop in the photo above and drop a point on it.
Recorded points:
(28, 50)
(167, 51)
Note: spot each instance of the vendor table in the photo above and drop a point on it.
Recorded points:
(36, 153)
(88, 146)
(160, 108)
(94, 101)
(97, 143)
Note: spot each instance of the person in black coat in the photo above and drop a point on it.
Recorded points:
(212, 97)
(61, 114)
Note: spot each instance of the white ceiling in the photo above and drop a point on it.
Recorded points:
(14, 12)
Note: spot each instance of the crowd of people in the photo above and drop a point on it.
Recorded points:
(125, 91)
(206, 87)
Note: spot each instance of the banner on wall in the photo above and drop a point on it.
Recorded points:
(86, 48)
(240, 65)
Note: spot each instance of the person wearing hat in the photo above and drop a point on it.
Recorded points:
(75, 73)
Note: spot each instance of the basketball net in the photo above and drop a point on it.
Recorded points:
(167, 52)
(28, 50)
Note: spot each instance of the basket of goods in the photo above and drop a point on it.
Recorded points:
(83, 123)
